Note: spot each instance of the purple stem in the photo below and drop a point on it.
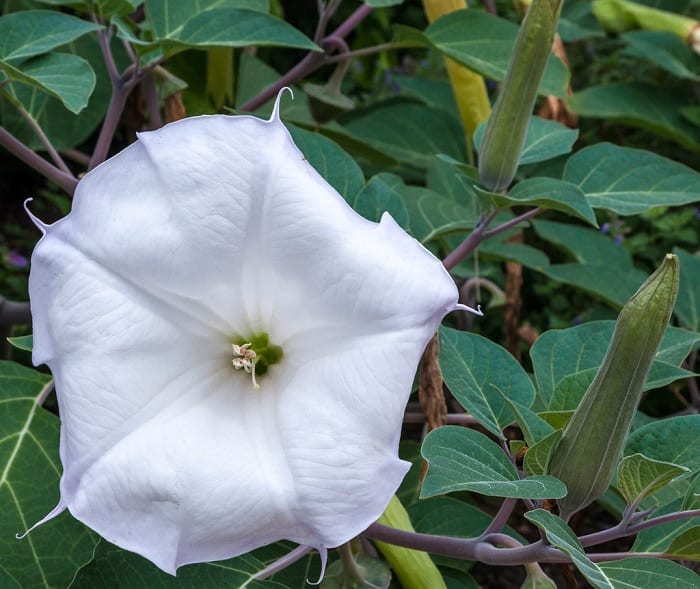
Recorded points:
(620, 531)
(311, 62)
(484, 551)
(482, 232)
(501, 518)
(65, 181)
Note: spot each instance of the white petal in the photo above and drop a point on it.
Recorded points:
(210, 228)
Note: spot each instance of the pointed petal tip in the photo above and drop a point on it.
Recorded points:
(323, 553)
(275, 116)
(58, 510)
(40, 225)
(461, 307)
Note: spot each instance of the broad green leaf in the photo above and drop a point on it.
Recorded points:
(639, 476)
(32, 32)
(544, 140)
(548, 193)
(333, 163)
(605, 269)
(687, 307)
(641, 105)
(22, 342)
(114, 567)
(239, 28)
(30, 469)
(432, 93)
(484, 43)
(560, 536)
(659, 538)
(666, 50)
(62, 75)
(507, 251)
(461, 459)
(672, 440)
(475, 369)
(167, 17)
(565, 360)
(687, 545)
(644, 573)
(630, 181)
(537, 457)
(534, 428)
(411, 133)
(577, 22)
(63, 129)
(379, 196)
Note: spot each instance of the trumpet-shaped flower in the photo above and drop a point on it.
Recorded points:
(232, 345)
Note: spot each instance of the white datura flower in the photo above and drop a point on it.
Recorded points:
(232, 345)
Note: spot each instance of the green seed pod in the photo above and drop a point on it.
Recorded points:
(591, 446)
(505, 131)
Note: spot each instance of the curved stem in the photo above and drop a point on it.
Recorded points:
(67, 182)
(311, 62)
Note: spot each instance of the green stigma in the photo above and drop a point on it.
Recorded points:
(255, 355)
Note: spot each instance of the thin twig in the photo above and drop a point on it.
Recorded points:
(67, 182)
(39, 132)
(311, 62)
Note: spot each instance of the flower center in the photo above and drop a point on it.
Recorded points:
(255, 355)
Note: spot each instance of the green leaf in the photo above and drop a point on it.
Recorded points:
(560, 536)
(114, 567)
(641, 105)
(475, 369)
(534, 428)
(64, 76)
(30, 469)
(642, 573)
(484, 43)
(672, 440)
(604, 269)
(537, 457)
(544, 140)
(577, 22)
(167, 17)
(383, 3)
(507, 251)
(333, 163)
(566, 360)
(660, 537)
(630, 181)
(63, 129)
(666, 50)
(687, 545)
(461, 459)
(379, 196)
(32, 32)
(687, 307)
(550, 193)
(639, 476)
(22, 342)
(411, 133)
(239, 28)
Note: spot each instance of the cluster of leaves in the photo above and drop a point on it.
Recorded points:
(66, 65)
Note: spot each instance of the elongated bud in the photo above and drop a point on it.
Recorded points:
(587, 455)
(618, 16)
(414, 569)
(505, 132)
(468, 87)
